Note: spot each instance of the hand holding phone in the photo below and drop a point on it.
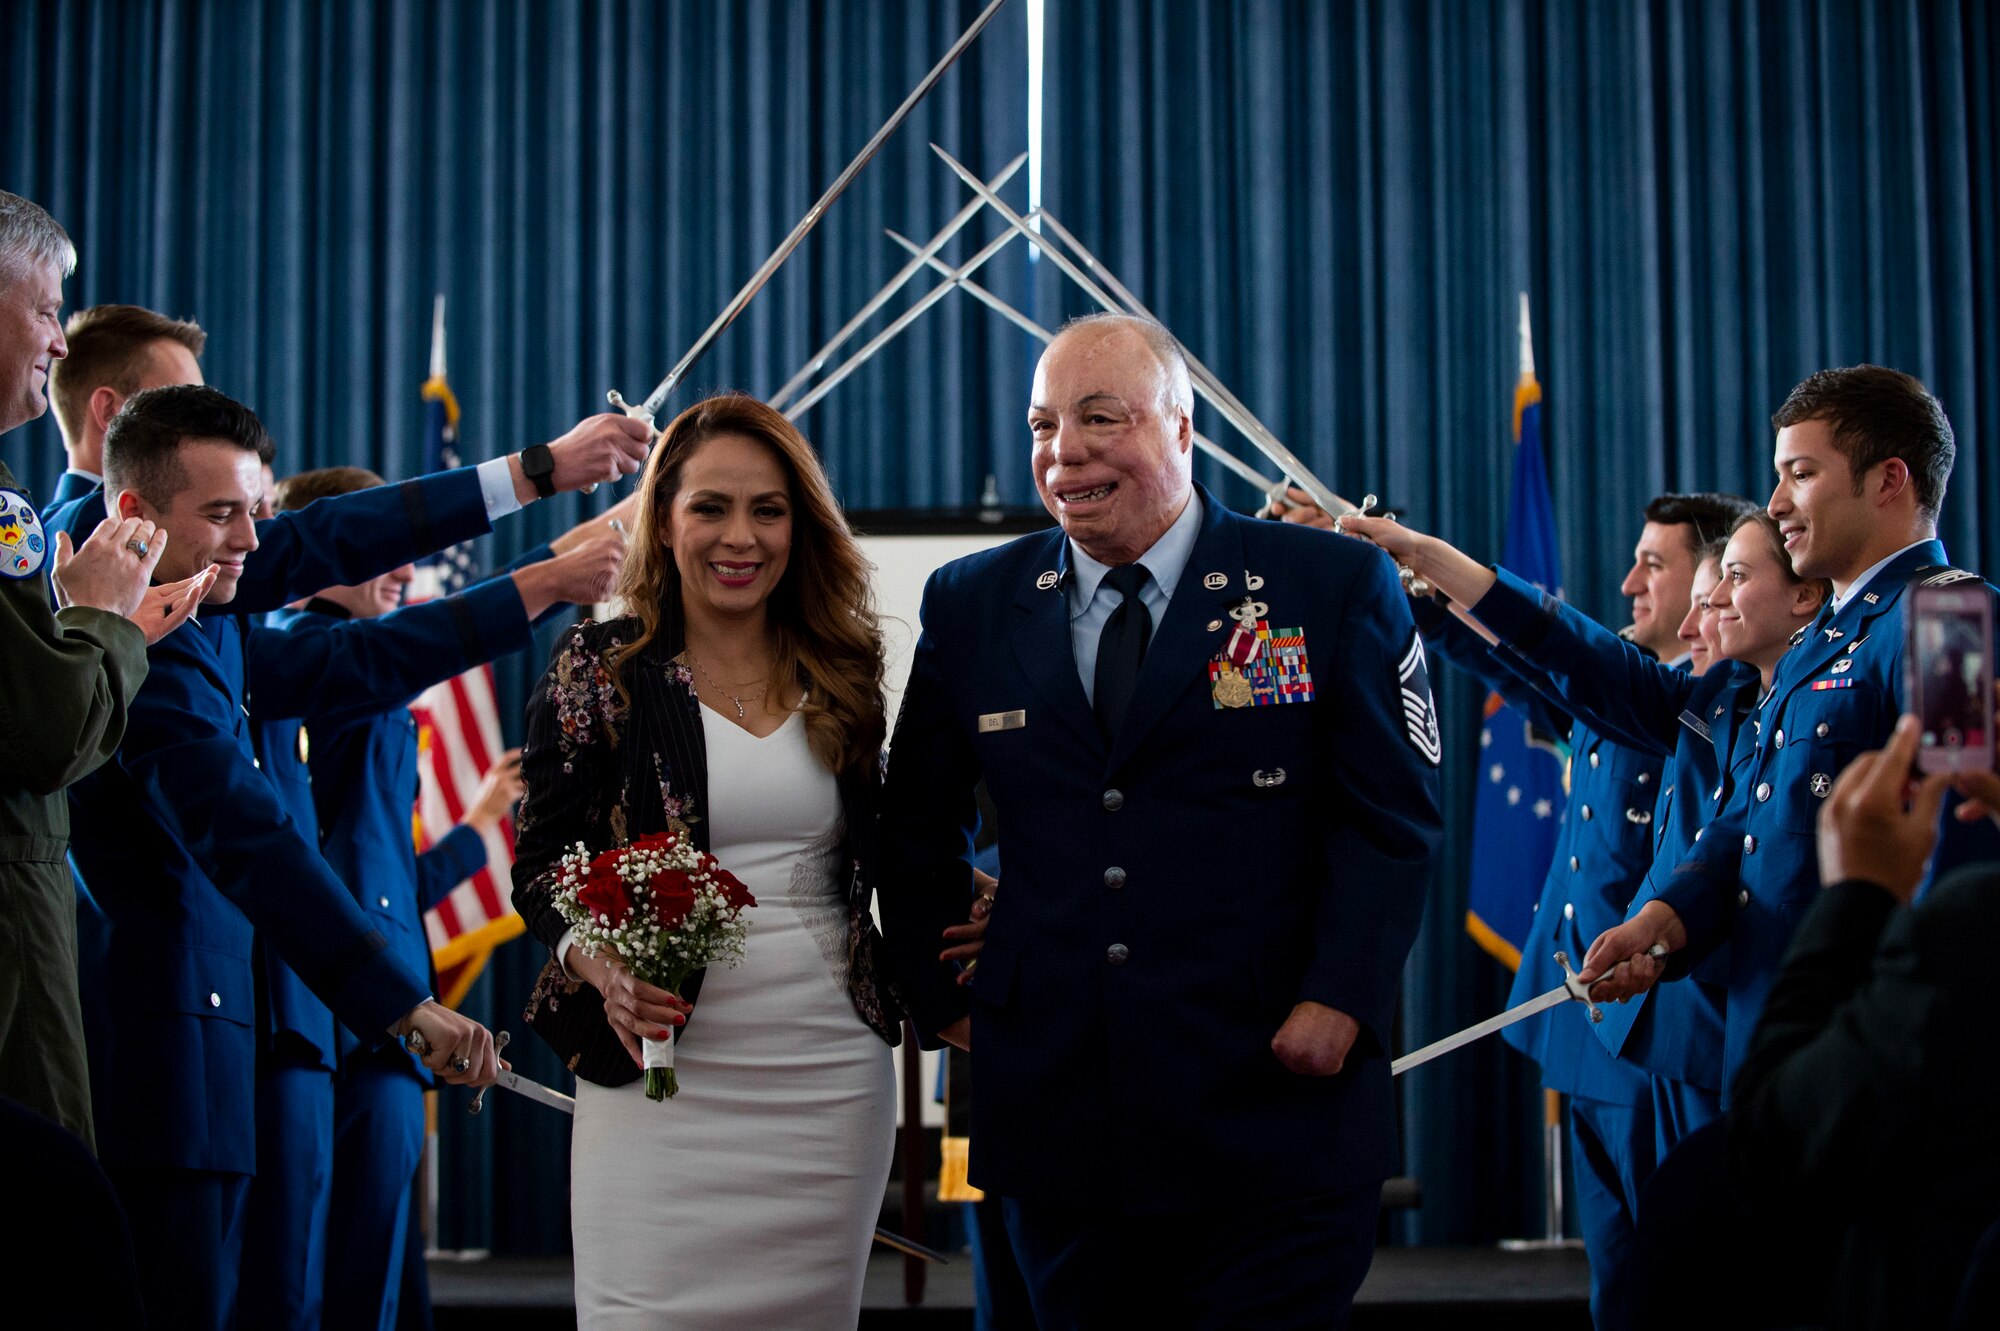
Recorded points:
(1948, 676)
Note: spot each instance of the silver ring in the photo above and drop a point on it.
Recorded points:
(136, 546)
(461, 1064)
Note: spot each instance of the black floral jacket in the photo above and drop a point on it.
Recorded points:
(602, 771)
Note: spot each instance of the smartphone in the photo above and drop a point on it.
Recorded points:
(1948, 675)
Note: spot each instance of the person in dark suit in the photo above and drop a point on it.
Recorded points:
(1213, 750)
(1856, 1175)
(185, 847)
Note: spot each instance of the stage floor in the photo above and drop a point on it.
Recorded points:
(1408, 1289)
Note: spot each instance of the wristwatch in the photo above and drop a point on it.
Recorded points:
(539, 466)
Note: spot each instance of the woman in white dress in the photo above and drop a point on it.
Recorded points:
(741, 701)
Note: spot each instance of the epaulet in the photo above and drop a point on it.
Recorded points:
(1943, 575)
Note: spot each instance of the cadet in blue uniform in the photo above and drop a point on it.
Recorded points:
(1217, 835)
(115, 351)
(1603, 851)
(188, 844)
(1863, 456)
(349, 1149)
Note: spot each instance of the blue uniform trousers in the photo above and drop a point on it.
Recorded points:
(1274, 1266)
(284, 1256)
(1680, 1109)
(189, 1227)
(378, 1114)
(1612, 1148)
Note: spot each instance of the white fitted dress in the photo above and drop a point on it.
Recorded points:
(749, 1199)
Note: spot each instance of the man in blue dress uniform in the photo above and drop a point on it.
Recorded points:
(188, 845)
(1212, 747)
(1863, 456)
(115, 351)
(337, 1158)
(1603, 852)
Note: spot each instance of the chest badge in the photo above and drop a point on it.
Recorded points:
(1820, 784)
(23, 544)
(1264, 780)
(1843, 665)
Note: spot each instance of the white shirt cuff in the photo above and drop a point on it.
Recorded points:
(496, 484)
(562, 955)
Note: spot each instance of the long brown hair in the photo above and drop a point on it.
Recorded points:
(823, 609)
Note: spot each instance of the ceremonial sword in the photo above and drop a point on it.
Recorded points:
(554, 1099)
(650, 409)
(979, 293)
(1571, 990)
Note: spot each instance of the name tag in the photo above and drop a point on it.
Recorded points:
(992, 721)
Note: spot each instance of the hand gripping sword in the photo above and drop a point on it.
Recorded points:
(649, 410)
(1570, 990)
(554, 1099)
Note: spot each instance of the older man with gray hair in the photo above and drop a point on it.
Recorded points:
(66, 676)
(1212, 749)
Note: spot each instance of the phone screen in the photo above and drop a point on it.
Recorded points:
(1949, 675)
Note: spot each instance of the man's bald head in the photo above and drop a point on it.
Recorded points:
(1112, 419)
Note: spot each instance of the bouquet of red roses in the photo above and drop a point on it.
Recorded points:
(667, 907)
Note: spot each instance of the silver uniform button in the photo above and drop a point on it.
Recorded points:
(1593, 757)
(1114, 877)
(1742, 900)
(1698, 831)
(1117, 954)
(1820, 730)
(1717, 796)
(215, 1000)
(1645, 778)
(1114, 800)
(383, 902)
(1586, 813)
(1749, 845)
(1763, 791)
(1573, 863)
(1569, 910)
(1779, 739)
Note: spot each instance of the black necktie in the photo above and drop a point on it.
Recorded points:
(1121, 647)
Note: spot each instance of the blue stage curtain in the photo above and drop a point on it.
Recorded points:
(588, 182)
(1335, 206)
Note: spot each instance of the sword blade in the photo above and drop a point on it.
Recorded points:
(657, 399)
(1205, 381)
(534, 1090)
(1555, 997)
(891, 1239)
(1035, 330)
(903, 275)
(895, 328)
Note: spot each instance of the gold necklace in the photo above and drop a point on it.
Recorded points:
(712, 683)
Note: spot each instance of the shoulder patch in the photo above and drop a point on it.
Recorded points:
(24, 546)
(1420, 718)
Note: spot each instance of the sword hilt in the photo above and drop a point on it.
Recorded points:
(1577, 989)
(479, 1096)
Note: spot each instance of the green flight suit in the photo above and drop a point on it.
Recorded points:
(66, 677)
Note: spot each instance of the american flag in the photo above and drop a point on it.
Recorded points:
(458, 737)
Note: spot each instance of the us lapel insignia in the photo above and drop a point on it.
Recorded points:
(1871, 597)
(1215, 582)
(1047, 581)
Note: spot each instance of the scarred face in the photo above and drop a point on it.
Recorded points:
(1112, 451)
